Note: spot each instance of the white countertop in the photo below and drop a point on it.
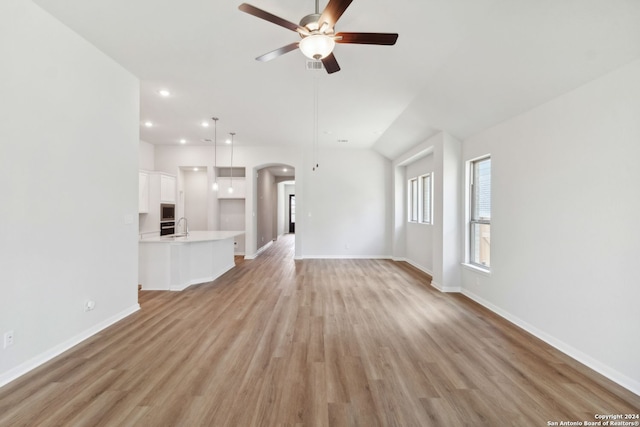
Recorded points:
(194, 236)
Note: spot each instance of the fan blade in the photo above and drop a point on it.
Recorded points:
(333, 12)
(275, 53)
(330, 64)
(387, 39)
(259, 13)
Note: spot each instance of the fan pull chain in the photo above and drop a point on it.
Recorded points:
(314, 148)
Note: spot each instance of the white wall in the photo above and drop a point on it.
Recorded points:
(232, 217)
(196, 190)
(346, 213)
(446, 231)
(447, 213)
(146, 158)
(565, 232)
(419, 239)
(69, 173)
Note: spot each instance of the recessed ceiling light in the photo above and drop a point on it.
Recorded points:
(183, 141)
(195, 169)
(164, 93)
(228, 141)
(148, 124)
(284, 170)
(205, 124)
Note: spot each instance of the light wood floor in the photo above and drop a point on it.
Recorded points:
(278, 342)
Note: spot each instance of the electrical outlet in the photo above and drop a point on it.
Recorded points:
(8, 339)
(89, 305)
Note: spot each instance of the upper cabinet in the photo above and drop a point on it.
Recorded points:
(155, 188)
(143, 192)
(167, 188)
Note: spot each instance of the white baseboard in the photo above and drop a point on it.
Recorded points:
(259, 251)
(345, 256)
(419, 267)
(36, 361)
(447, 289)
(615, 376)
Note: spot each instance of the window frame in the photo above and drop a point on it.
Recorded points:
(413, 205)
(425, 214)
(417, 212)
(474, 219)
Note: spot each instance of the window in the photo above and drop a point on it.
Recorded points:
(426, 211)
(420, 199)
(413, 200)
(480, 213)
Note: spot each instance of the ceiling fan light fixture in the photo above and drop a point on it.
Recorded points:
(317, 46)
(318, 34)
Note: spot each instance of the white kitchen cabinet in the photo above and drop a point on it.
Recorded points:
(161, 188)
(167, 189)
(143, 192)
(239, 188)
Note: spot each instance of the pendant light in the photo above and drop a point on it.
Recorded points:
(231, 175)
(215, 154)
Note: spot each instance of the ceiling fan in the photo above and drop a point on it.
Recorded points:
(318, 33)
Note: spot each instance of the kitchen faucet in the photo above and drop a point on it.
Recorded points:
(186, 225)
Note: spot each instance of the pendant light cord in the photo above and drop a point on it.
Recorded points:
(215, 149)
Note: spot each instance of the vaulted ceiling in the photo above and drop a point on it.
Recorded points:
(459, 65)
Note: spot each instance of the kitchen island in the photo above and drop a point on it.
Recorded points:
(173, 263)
